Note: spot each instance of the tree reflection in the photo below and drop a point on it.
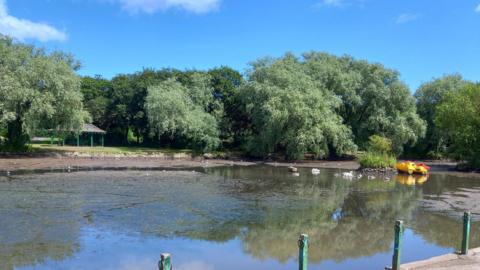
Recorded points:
(265, 207)
(437, 229)
(341, 224)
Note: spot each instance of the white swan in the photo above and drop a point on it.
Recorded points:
(315, 171)
(348, 175)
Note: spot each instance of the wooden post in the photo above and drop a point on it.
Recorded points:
(51, 139)
(91, 139)
(466, 232)
(165, 262)
(303, 252)
(397, 246)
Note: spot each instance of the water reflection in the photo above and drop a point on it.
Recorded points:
(411, 180)
(263, 209)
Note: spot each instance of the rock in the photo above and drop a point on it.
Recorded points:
(208, 156)
(292, 169)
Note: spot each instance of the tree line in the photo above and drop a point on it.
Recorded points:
(315, 104)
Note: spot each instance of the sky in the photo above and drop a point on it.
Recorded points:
(422, 39)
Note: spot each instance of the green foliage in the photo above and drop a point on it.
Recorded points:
(95, 98)
(292, 113)
(39, 91)
(318, 103)
(379, 153)
(178, 111)
(377, 160)
(379, 144)
(458, 119)
(226, 83)
(373, 100)
(429, 95)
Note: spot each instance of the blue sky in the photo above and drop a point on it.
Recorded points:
(420, 38)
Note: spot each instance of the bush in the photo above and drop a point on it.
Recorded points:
(379, 144)
(377, 160)
(379, 153)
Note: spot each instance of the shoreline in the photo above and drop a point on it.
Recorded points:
(36, 163)
(33, 163)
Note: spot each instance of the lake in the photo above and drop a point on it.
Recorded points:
(227, 218)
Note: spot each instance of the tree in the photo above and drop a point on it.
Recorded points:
(458, 118)
(39, 91)
(177, 111)
(226, 82)
(372, 98)
(95, 100)
(428, 96)
(290, 112)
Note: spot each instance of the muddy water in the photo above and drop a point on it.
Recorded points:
(226, 218)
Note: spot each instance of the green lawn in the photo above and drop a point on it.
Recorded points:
(108, 149)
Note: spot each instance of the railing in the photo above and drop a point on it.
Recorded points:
(166, 264)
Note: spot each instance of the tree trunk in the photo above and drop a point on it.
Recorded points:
(16, 138)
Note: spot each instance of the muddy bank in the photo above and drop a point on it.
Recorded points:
(55, 163)
(23, 163)
(60, 162)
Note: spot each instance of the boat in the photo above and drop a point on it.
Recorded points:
(423, 165)
(405, 167)
(420, 169)
(411, 168)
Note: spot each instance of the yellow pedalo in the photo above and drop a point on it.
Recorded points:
(405, 167)
(411, 168)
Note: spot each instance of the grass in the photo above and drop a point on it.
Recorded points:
(123, 150)
(126, 150)
(376, 160)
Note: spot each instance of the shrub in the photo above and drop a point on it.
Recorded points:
(379, 144)
(379, 153)
(377, 160)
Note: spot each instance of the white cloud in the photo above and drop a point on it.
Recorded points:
(24, 29)
(477, 9)
(406, 17)
(331, 3)
(152, 6)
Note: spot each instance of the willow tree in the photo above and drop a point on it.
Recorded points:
(181, 112)
(291, 112)
(373, 100)
(39, 90)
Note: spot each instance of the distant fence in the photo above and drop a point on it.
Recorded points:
(165, 262)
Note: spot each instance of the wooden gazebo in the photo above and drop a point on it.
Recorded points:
(91, 130)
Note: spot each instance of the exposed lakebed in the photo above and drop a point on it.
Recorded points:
(226, 218)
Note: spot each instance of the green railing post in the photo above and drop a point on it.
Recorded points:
(397, 246)
(303, 252)
(91, 140)
(78, 140)
(165, 262)
(466, 232)
(102, 140)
